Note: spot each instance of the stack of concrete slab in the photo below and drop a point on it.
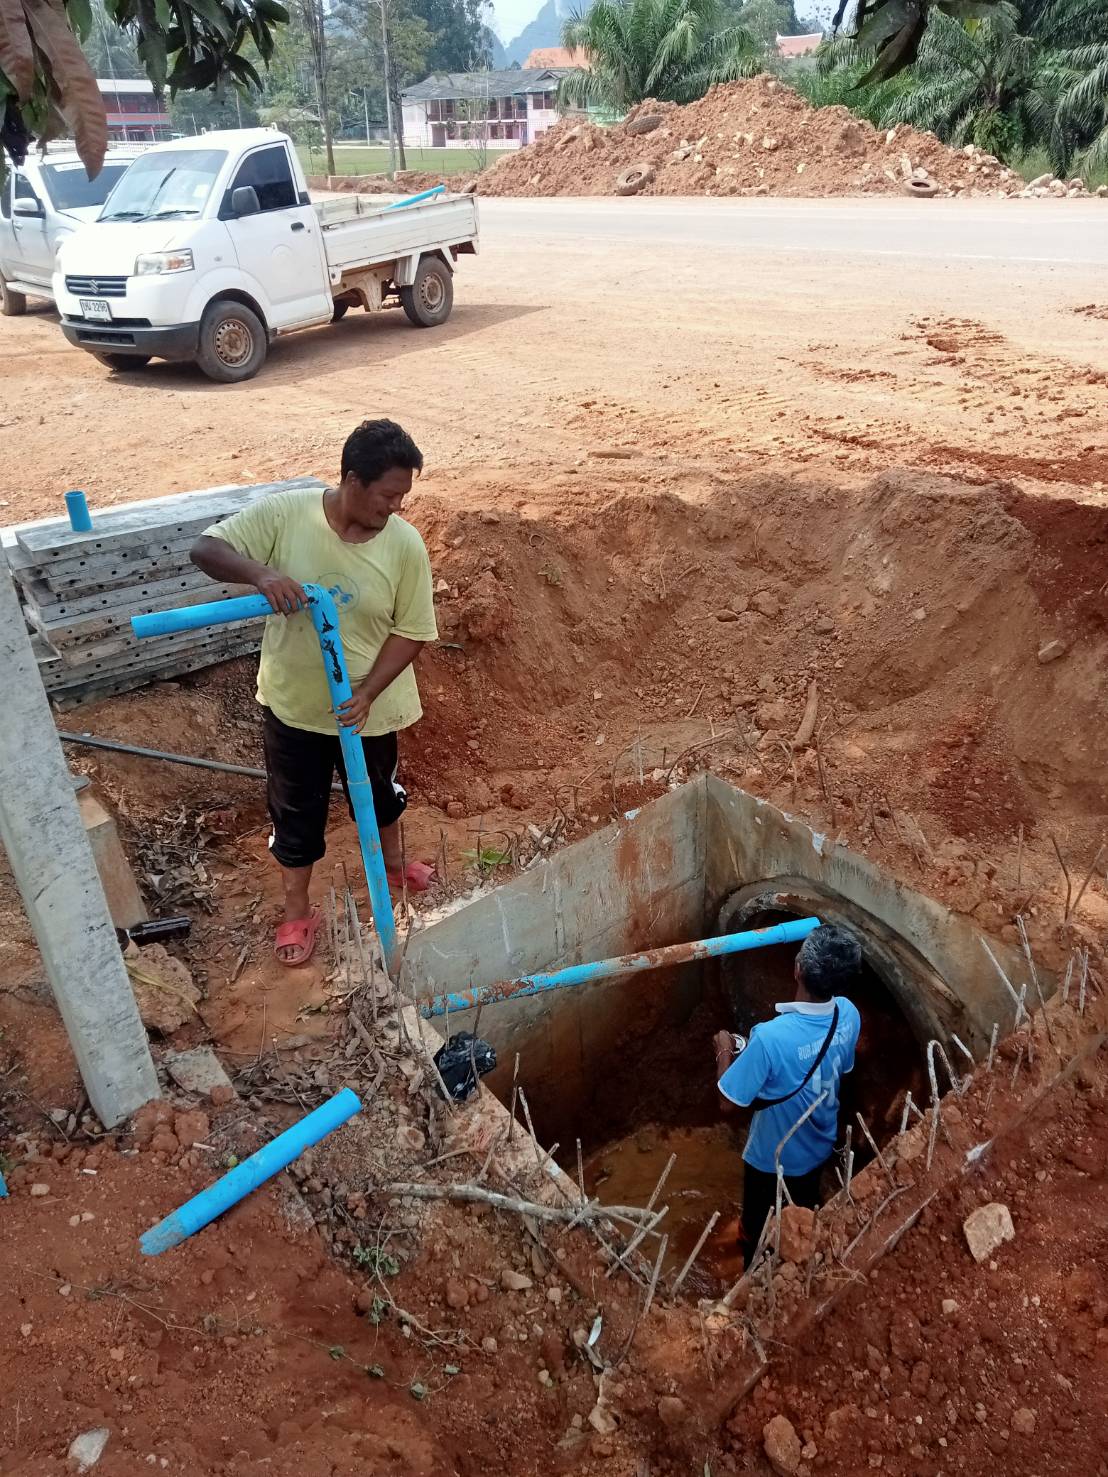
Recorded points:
(80, 590)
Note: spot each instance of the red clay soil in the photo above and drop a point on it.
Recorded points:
(240, 1352)
(745, 138)
(936, 1364)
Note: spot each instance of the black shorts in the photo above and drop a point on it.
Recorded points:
(300, 766)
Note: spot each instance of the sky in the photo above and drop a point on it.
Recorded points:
(510, 16)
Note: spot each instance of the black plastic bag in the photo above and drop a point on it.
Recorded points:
(457, 1061)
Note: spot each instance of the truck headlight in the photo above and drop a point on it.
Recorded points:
(155, 262)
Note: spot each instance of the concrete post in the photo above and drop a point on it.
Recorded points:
(43, 835)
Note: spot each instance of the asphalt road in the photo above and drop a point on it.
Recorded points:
(1047, 232)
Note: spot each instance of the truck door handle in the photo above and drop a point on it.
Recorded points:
(297, 226)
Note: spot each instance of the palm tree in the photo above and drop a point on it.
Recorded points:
(1032, 74)
(671, 50)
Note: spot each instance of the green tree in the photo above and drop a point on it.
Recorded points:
(672, 50)
(48, 88)
(456, 34)
(1030, 74)
(766, 20)
(110, 50)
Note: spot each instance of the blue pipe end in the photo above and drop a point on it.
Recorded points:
(76, 505)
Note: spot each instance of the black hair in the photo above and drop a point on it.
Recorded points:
(375, 448)
(829, 960)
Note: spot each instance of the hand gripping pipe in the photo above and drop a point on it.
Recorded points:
(269, 1160)
(582, 974)
(324, 616)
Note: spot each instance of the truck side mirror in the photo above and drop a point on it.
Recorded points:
(23, 205)
(244, 201)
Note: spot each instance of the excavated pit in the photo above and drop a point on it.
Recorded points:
(625, 1065)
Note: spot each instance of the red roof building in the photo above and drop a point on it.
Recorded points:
(135, 113)
(799, 45)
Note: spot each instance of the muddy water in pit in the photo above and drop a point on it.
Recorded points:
(707, 1176)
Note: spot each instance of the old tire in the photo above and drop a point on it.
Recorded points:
(431, 296)
(632, 180)
(123, 362)
(233, 342)
(12, 304)
(920, 189)
(646, 124)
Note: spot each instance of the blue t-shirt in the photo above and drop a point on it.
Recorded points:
(774, 1063)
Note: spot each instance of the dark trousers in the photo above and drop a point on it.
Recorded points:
(760, 1199)
(300, 766)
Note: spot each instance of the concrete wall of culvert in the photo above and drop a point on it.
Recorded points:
(661, 877)
(933, 960)
(636, 885)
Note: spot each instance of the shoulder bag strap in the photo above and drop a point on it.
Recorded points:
(772, 1102)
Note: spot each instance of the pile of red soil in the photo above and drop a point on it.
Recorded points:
(757, 137)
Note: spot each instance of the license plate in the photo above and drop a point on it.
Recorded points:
(96, 309)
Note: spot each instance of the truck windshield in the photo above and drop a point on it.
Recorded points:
(70, 188)
(163, 184)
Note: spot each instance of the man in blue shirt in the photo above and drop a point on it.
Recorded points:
(782, 1071)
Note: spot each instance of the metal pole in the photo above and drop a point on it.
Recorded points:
(386, 63)
(791, 932)
(365, 104)
(324, 616)
(51, 859)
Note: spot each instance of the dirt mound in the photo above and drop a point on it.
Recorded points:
(746, 138)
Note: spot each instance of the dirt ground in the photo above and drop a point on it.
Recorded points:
(665, 514)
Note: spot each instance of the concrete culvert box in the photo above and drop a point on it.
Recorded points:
(625, 1064)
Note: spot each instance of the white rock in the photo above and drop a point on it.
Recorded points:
(987, 1228)
(949, 1306)
(602, 1420)
(87, 1448)
(1052, 651)
(514, 1281)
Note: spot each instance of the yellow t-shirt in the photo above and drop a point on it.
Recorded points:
(381, 588)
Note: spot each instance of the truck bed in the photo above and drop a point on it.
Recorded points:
(359, 234)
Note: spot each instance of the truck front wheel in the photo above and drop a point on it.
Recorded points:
(233, 342)
(12, 304)
(431, 296)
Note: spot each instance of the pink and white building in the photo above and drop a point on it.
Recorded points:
(503, 109)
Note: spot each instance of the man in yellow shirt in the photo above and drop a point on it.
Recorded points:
(351, 540)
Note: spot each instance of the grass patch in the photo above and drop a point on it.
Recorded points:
(376, 161)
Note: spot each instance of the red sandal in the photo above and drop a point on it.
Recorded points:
(417, 875)
(299, 934)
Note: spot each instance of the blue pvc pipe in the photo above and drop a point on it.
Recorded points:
(324, 616)
(416, 199)
(76, 505)
(196, 1213)
(3, 1188)
(791, 932)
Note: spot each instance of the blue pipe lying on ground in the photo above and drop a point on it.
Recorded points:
(324, 616)
(416, 199)
(196, 1213)
(791, 932)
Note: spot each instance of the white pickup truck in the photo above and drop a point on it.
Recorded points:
(42, 201)
(209, 247)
